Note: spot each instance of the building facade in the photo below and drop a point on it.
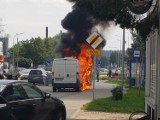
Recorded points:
(152, 84)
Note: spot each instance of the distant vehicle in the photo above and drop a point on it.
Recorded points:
(104, 70)
(20, 100)
(66, 74)
(6, 66)
(24, 73)
(17, 72)
(37, 76)
(41, 66)
(49, 77)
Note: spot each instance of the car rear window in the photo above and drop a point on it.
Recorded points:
(37, 72)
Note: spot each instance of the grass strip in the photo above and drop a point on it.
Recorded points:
(133, 100)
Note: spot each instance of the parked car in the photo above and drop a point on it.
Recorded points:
(24, 73)
(37, 76)
(20, 100)
(49, 77)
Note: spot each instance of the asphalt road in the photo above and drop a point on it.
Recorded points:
(75, 100)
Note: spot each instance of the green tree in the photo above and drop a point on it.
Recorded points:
(114, 57)
(104, 62)
(24, 62)
(37, 50)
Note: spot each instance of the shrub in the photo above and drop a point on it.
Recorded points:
(117, 93)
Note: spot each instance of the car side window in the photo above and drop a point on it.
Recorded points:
(31, 92)
(11, 93)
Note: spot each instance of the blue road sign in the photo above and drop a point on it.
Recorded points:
(136, 54)
(98, 63)
(47, 63)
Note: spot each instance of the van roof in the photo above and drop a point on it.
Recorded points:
(66, 58)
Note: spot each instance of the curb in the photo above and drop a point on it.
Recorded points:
(73, 117)
(86, 119)
(97, 115)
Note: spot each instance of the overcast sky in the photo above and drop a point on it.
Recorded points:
(31, 17)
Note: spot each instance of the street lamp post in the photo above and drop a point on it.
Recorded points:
(13, 51)
(123, 53)
(18, 49)
(119, 55)
(119, 50)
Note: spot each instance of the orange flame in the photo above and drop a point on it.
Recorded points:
(86, 63)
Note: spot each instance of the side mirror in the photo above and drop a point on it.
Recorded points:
(47, 95)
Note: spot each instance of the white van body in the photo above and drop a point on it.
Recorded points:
(66, 73)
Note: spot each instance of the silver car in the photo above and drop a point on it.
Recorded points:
(24, 73)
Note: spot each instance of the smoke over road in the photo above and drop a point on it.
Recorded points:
(79, 25)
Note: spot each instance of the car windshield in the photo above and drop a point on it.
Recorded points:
(25, 71)
(37, 72)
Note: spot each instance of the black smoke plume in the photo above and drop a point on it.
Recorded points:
(79, 25)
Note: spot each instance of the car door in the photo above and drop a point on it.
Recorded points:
(43, 108)
(16, 102)
(4, 111)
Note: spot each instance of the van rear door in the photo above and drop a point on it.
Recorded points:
(59, 73)
(71, 71)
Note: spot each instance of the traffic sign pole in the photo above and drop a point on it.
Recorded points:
(94, 57)
(94, 40)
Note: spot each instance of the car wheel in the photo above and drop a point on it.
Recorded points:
(78, 89)
(45, 83)
(58, 115)
(54, 89)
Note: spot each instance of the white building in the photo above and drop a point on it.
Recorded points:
(152, 84)
(152, 91)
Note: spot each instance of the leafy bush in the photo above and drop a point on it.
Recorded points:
(117, 93)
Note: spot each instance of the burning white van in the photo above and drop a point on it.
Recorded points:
(66, 74)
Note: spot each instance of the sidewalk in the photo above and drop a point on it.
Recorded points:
(96, 115)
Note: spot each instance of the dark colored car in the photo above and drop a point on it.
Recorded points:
(20, 100)
(37, 76)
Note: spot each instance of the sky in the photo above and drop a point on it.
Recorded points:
(29, 19)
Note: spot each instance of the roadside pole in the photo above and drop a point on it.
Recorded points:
(123, 53)
(94, 74)
(94, 40)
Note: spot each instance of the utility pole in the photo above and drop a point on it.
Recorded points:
(123, 53)
(13, 51)
(18, 49)
(46, 32)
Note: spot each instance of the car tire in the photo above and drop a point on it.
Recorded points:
(54, 89)
(78, 89)
(58, 115)
(44, 83)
